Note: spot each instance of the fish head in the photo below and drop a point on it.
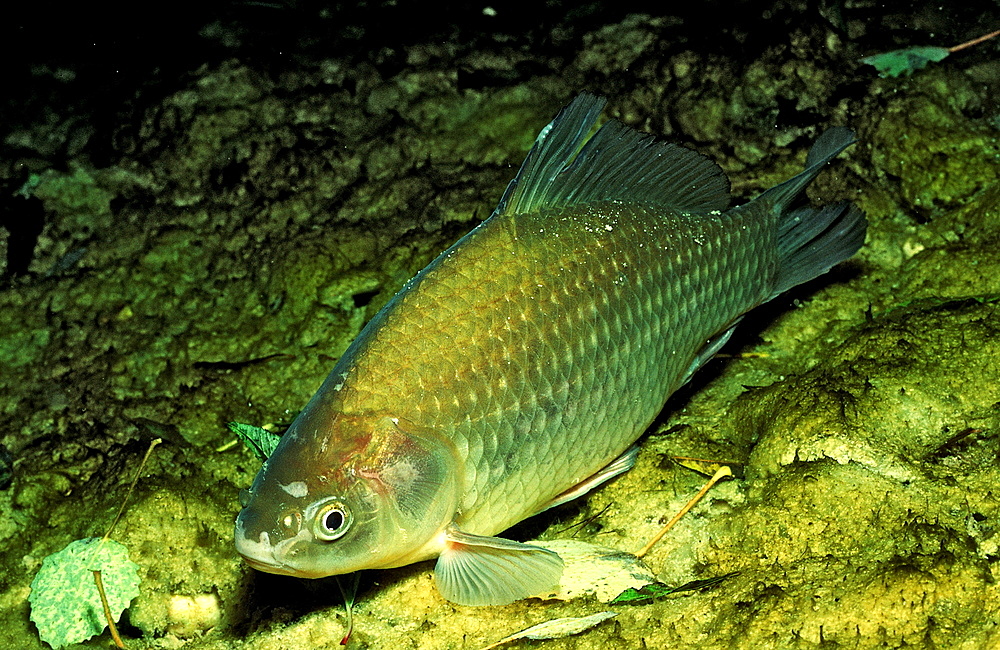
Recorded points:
(355, 492)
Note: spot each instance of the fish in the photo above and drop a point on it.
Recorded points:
(518, 369)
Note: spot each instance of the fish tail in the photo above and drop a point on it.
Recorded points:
(812, 240)
(817, 240)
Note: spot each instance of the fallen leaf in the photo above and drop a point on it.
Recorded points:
(65, 605)
(598, 570)
(557, 628)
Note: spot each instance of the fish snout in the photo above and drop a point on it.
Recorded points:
(269, 551)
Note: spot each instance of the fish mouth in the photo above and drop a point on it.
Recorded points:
(269, 567)
(264, 556)
(281, 569)
(261, 555)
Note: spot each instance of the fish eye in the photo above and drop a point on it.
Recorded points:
(244, 498)
(332, 521)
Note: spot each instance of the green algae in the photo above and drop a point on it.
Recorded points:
(78, 199)
(934, 156)
(888, 398)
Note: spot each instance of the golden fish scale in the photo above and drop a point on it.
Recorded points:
(543, 344)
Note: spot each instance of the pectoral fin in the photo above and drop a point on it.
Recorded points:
(478, 570)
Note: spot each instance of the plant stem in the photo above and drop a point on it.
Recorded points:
(962, 46)
(138, 473)
(107, 611)
(723, 472)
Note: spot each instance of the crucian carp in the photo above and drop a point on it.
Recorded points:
(517, 370)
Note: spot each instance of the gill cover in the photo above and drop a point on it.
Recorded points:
(361, 492)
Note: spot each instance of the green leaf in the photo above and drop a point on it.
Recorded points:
(260, 441)
(905, 61)
(656, 590)
(643, 595)
(65, 605)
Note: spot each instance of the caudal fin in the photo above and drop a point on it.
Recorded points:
(812, 240)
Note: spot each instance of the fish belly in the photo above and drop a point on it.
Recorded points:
(543, 345)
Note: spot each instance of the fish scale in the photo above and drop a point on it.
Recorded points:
(511, 373)
(536, 373)
(614, 312)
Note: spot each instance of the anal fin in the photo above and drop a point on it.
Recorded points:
(480, 570)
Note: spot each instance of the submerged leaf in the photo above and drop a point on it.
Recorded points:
(649, 593)
(260, 441)
(65, 604)
(905, 61)
(598, 570)
(557, 628)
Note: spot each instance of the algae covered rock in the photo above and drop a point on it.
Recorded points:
(896, 394)
(870, 481)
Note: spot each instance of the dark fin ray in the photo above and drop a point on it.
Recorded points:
(811, 240)
(617, 163)
(819, 239)
(710, 349)
(829, 144)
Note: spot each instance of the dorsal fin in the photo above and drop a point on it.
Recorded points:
(566, 168)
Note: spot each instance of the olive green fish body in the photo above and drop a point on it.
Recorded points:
(546, 343)
(510, 373)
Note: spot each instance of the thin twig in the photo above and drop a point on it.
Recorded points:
(349, 596)
(128, 494)
(722, 473)
(962, 46)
